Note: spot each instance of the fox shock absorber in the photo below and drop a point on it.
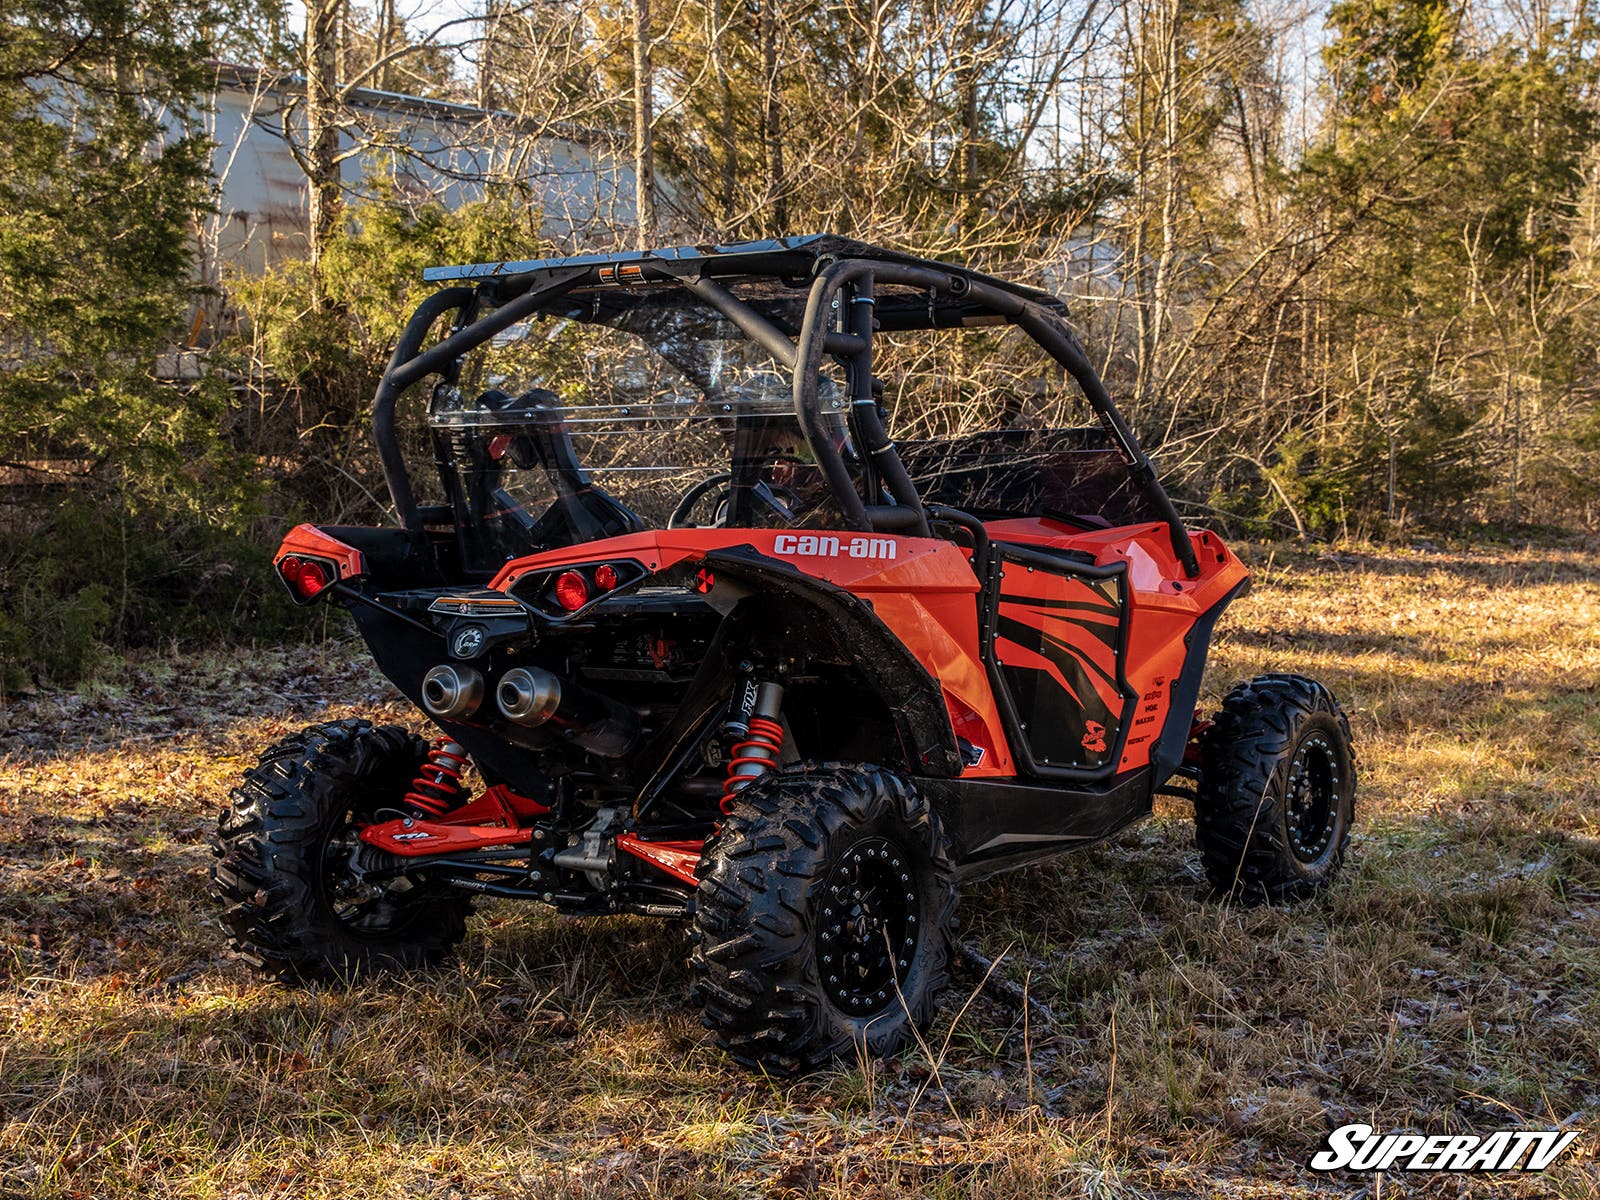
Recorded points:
(757, 736)
(437, 788)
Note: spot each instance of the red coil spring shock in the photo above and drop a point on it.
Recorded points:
(752, 758)
(437, 788)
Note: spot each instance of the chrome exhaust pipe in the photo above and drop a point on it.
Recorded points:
(528, 697)
(452, 693)
(532, 697)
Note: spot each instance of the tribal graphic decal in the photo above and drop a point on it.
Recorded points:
(1056, 640)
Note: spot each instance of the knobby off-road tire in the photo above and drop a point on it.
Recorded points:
(1276, 794)
(803, 892)
(281, 845)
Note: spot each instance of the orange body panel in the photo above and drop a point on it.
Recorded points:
(1164, 605)
(927, 594)
(309, 541)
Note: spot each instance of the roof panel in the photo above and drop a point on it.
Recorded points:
(782, 258)
(803, 249)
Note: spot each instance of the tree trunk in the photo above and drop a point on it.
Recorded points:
(386, 37)
(1166, 257)
(771, 120)
(1514, 395)
(322, 128)
(728, 168)
(1138, 273)
(486, 64)
(967, 72)
(644, 167)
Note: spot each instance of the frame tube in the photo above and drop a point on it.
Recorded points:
(406, 366)
(1048, 332)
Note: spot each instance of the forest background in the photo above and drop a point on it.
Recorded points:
(1341, 266)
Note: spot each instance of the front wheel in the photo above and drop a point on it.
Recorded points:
(824, 918)
(287, 874)
(1276, 794)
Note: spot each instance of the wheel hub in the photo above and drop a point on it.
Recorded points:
(866, 922)
(1310, 797)
(358, 903)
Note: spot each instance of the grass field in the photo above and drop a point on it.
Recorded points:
(1449, 983)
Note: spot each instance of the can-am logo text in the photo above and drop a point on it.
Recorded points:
(827, 545)
(1360, 1148)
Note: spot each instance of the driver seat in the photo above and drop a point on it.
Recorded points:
(582, 511)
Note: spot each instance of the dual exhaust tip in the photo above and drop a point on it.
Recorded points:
(532, 697)
(528, 696)
(525, 696)
(452, 693)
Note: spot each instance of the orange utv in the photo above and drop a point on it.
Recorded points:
(702, 641)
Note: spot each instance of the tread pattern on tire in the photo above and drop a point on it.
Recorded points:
(268, 848)
(1237, 827)
(754, 957)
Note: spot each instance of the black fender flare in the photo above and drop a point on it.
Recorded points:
(822, 613)
(1167, 753)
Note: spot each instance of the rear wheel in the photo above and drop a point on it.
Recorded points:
(287, 875)
(824, 918)
(1276, 796)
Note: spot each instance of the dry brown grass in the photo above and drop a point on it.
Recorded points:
(1450, 982)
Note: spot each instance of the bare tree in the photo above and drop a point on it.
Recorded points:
(644, 169)
(321, 158)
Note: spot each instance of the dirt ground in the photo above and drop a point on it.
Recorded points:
(1450, 982)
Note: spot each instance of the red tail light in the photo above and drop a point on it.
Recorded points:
(306, 577)
(605, 577)
(572, 590)
(312, 579)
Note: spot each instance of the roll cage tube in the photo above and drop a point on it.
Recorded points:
(406, 365)
(852, 346)
(861, 276)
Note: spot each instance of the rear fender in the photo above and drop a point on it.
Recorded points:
(903, 609)
(1169, 749)
(795, 608)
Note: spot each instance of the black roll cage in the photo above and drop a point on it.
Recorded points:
(840, 321)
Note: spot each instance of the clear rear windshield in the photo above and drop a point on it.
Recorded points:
(621, 410)
(563, 429)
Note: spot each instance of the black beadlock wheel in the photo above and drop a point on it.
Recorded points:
(291, 903)
(824, 918)
(1276, 795)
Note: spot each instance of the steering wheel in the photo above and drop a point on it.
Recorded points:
(778, 498)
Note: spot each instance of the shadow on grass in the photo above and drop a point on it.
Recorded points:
(1445, 991)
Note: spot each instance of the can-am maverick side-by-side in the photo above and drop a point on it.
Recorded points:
(701, 641)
